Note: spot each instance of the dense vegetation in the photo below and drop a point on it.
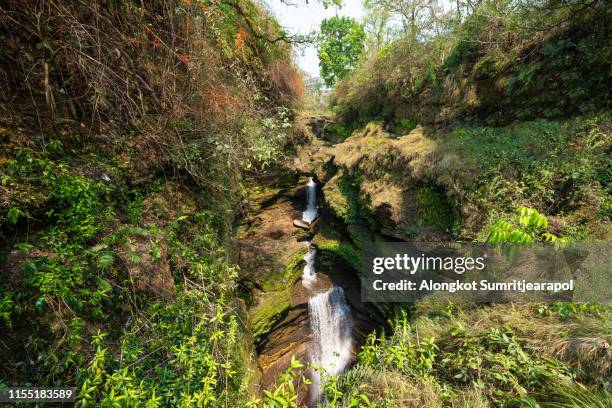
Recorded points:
(126, 131)
(463, 180)
(488, 122)
(493, 62)
(475, 356)
(497, 104)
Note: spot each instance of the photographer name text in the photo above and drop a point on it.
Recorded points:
(470, 286)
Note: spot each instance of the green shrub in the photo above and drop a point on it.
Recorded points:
(530, 226)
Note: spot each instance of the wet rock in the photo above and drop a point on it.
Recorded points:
(288, 338)
(266, 246)
(318, 125)
(301, 224)
(314, 224)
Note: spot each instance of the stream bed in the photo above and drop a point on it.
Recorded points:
(331, 349)
(303, 301)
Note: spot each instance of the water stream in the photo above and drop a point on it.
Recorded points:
(309, 276)
(329, 315)
(310, 214)
(331, 327)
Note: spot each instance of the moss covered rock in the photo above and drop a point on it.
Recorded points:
(386, 185)
(272, 306)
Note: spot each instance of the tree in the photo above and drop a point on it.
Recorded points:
(377, 25)
(420, 18)
(325, 3)
(340, 45)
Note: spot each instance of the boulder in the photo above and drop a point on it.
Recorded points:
(301, 224)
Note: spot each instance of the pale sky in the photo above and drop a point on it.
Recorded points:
(304, 18)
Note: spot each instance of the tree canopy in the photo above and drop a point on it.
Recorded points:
(341, 43)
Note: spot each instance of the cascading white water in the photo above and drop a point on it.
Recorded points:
(309, 275)
(310, 214)
(329, 314)
(331, 327)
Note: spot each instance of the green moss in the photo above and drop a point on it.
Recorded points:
(276, 298)
(337, 132)
(247, 353)
(336, 201)
(403, 126)
(435, 209)
(285, 278)
(300, 234)
(332, 252)
(259, 194)
(271, 309)
(344, 197)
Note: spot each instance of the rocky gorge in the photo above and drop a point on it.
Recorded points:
(373, 185)
(297, 278)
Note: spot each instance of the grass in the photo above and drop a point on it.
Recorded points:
(500, 355)
(556, 167)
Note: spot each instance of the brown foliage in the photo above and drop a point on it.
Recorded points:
(287, 81)
(155, 77)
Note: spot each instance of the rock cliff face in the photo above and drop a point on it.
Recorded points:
(270, 257)
(378, 183)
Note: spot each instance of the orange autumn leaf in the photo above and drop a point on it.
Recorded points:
(240, 42)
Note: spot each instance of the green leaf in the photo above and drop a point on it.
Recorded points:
(14, 214)
(105, 260)
(103, 284)
(40, 302)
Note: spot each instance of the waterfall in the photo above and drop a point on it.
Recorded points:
(329, 315)
(310, 214)
(309, 275)
(331, 327)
